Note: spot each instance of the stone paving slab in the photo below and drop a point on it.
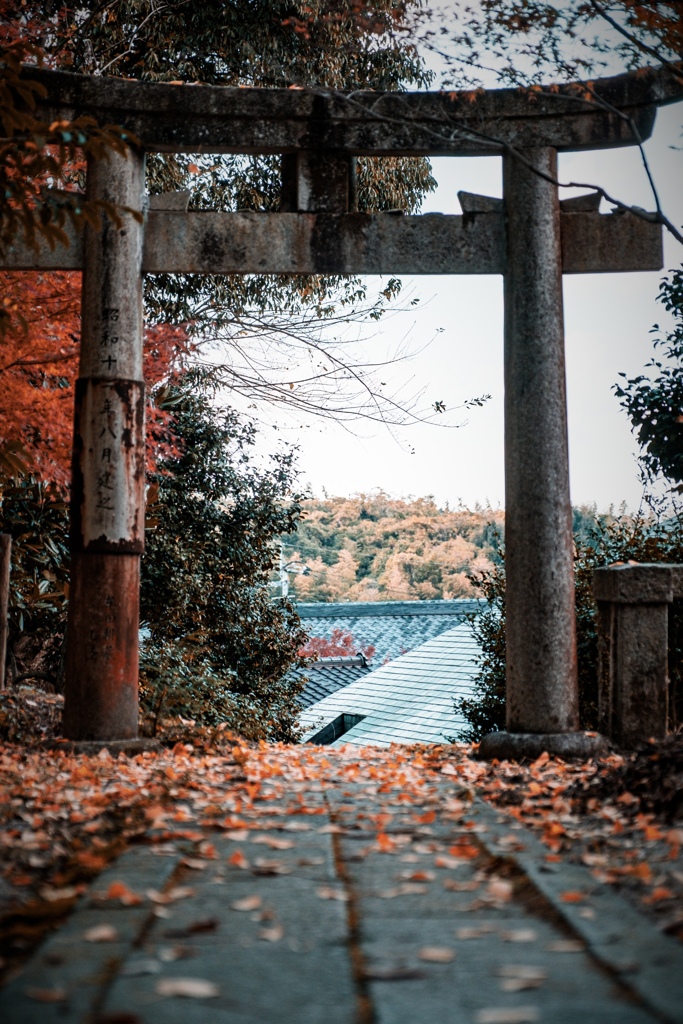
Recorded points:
(395, 927)
(306, 967)
(300, 955)
(573, 989)
(68, 963)
(618, 936)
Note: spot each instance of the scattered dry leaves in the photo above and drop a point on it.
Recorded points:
(189, 988)
(63, 818)
(437, 954)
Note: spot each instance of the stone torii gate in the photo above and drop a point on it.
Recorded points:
(530, 237)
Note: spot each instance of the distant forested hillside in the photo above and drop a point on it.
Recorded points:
(371, 547)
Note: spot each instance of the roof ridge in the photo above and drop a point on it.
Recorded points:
(356, 609)
(359, 660)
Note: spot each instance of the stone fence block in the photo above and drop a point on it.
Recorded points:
(636, 583)
(633, 672)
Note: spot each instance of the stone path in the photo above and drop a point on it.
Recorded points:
(342, 903)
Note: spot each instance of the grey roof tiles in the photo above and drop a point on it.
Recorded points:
(330, 674)
(408, 699)
(392, 627)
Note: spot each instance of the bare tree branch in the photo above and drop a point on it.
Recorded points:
(54, 357)
(266, 361)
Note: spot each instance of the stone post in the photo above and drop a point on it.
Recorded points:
(541, 668)
(633, 671)
(107, 500)
(318, 182)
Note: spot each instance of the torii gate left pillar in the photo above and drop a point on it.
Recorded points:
(108, 481)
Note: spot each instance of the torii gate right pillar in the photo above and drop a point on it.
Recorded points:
(541, 663)
(541, 637)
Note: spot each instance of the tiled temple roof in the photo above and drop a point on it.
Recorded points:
(392, 627)
(408, 700)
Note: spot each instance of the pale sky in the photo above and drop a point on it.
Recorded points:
(608, 318)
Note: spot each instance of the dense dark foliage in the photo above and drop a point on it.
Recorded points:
(266, 43)
(35, 154)
(36, 517)
(219, 645)
(654, 402)
(220, 642)
(653, 779)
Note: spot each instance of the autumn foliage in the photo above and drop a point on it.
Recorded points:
(63, 818)
(340, 644)
(39, 365)
(371, 547)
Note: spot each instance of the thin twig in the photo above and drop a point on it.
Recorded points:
(40, 360)
(650, 50)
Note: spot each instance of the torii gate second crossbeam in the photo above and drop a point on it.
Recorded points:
(530, 237)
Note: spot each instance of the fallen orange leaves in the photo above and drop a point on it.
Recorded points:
(71, 815)
(572, 896)
(553, 828)
(425, 819)
(385, 843)
(642, 871)
(46, 995)
(120, 891)
(91, 861)
(419, 876)
(658, 894)
(465, 850)
(155, 812)
(238, 860)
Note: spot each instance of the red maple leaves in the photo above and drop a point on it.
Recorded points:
(39, 365)
(340, 644)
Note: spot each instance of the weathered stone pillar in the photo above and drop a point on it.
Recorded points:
(107, 500)
(633, 624)
(542, 688)
(541, 670)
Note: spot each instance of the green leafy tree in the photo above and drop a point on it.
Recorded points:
(654, 402)
(484, 712)
(225, 656)
(220, 642)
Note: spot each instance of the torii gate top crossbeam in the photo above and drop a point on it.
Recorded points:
(618, 111)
